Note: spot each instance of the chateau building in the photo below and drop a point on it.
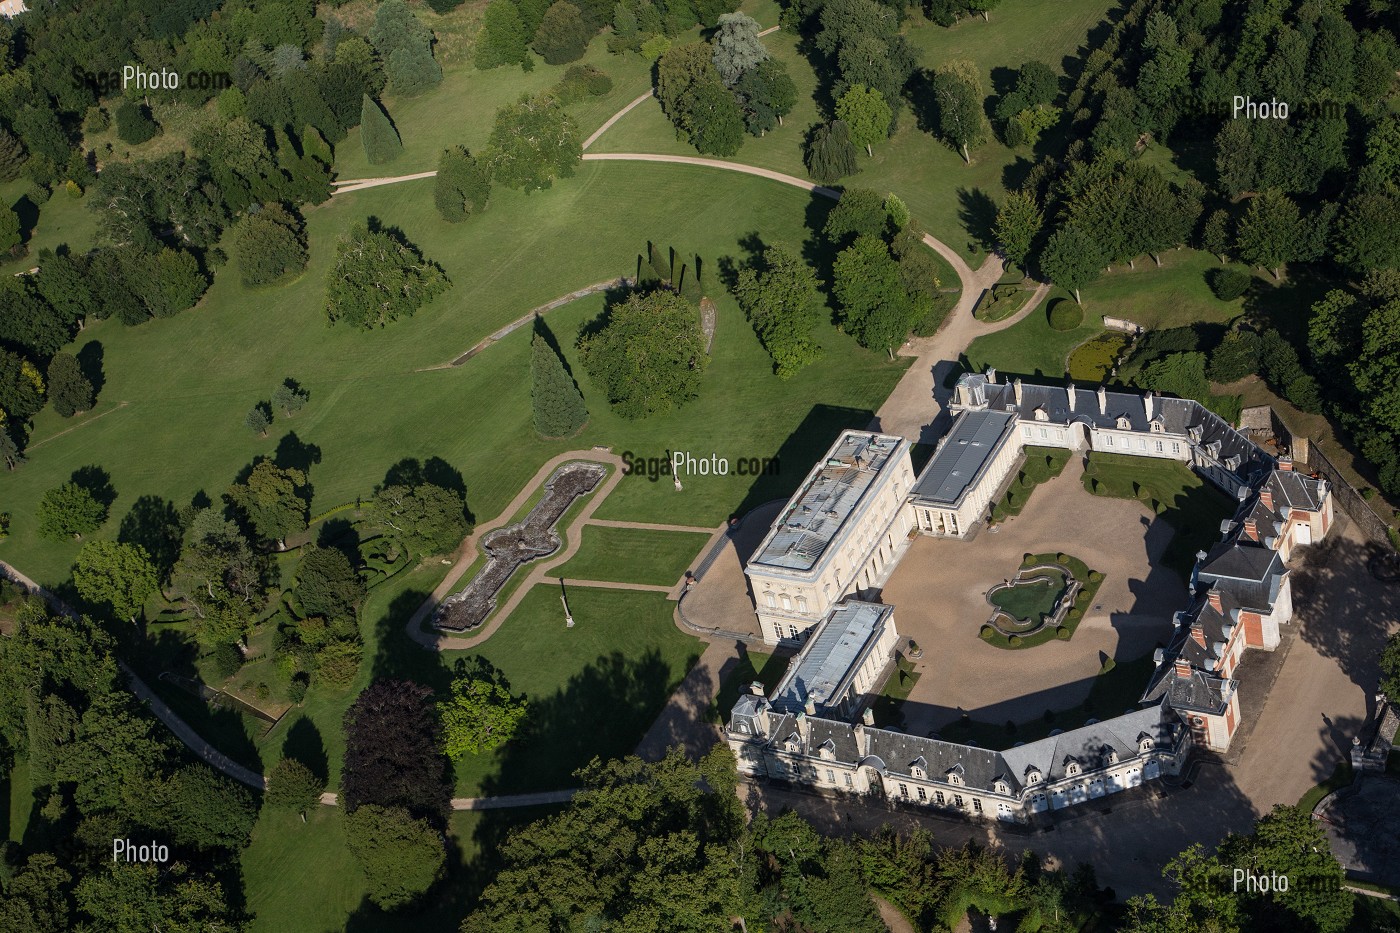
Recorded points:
(842, 533)
(848, 525)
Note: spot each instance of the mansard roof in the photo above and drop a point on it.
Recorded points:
(1173, 413)
(1197, 692)
(1249, 574)
(1296, 490)
(980, 767)
(1090, 746)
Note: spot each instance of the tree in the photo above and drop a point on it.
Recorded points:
(1071, 259)
(782, 299)
(648, 355)
(327, 585)
(766, 94)
(120, 575)
(533, 142)
(502, 40)
(135, 898)
(10, 452)
(12, 155)
(377, 277)
(293, 786)
(64, 285)
(866, 113)
(134, 123)
(830, 154)
(558, 404)
(957, 88)
(678, 72)
(290, 397)
(874, 305)
(426, 517)
(70, 392)
(402, 857)
(272, 500)
(563, 35)
(1363, 238)
(377, 134)
(258, 419)
(480, 716)
(269, 246)
(393, 751)
(220, 576)
(1215, 235)
(69, 511)
(36, 897)
(1018, 221)
(9, 230)
(462, 186)
(406, 47)
(1270, 231)
(209, 810)
(1287, 841)
(713, 120)
(737, 48)
(858, 212)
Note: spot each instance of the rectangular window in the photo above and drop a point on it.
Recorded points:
(1159, 447)
(904, 790)
(1026, 431)
(1043, 434)
(1108, 440)
(792, 631)
(830, 776)
(977, 804)
(1176, 448)
(957, 800)
(1142, 443)
(847, 778)
(938, 797)
(923, 797)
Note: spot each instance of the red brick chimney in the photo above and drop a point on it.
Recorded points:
(1198, 634)
(1266, 496)
(1214, 598)
(1251, 530)
(1182, 667)
(1285, 464)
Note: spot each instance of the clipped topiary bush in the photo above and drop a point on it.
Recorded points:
(1062, 632)
(1229, 284)
(1095, 576)
(1076, 614)
(1014, 641)
(1061, 557)
(1065, 315)
(987, 631)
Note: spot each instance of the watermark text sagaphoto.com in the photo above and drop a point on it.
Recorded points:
(137, 78)
(684, 463)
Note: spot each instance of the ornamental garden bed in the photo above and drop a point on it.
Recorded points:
(1041, 465)
(509, 548)
(1046, 600)
(1000, 302)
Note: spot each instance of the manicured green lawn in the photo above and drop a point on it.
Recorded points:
(62, 219)
(632, 555)
(754, 666)
(1031, 347)
(896, 690)
(169, 421)
(594, 689)
(1188, 503)
(1173, 295)
(951, 199)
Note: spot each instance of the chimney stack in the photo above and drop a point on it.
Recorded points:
(1266, 496)
(1147, 404)
(810, 706)
(1069, 393)
(756, 688)
(868, 716)
(1103, 400)
(1016, 386)
(1198, 634)
(991, 376)
(1251, 529)
(1285, 464)
(1182, 667)
(1214, 598)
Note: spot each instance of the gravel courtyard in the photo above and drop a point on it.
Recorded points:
(939, 588)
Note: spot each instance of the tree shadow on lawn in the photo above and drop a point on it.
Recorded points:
(154, 524)
(400, 657)
(1286, 306)
(90, 362)
(977, 212)
(434, 471)
(97, 481)
(818, 430)
(303, 742)
(294, 453)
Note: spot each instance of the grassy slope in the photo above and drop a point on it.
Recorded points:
(632, 555)
(170, 417)
(941, 191)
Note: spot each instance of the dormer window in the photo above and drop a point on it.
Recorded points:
(1001, 787)
(1145, 745)
(1112, 757)
(1033, 777)
(827, 750)
(1041, 415)
(918, 772)
(955, 778)
(1156, 426)
(1123, 423)
(1073, 768)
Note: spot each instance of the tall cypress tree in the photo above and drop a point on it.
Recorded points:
(377, 134)
(559, 406)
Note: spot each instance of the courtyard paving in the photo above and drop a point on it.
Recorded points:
(939, 594)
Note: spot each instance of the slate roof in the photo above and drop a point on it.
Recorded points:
(979, 767)
(1249, 574)
(1174, 413)
(1200, 691)
(1090, 745)
(832, 655)
(1296, 490)
(965, 450)
(833, 492)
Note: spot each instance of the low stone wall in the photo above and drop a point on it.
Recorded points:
(1056, 615)
(1122, 324)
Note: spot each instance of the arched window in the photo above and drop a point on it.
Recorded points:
(1073, 769)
